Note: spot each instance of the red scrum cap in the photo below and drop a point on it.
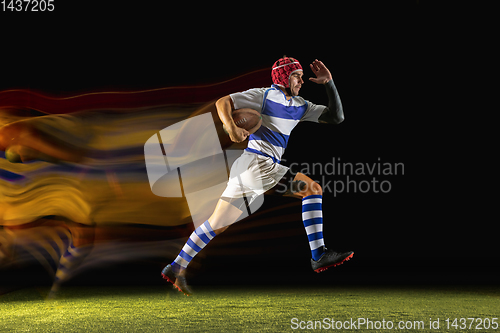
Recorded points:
(282, 69)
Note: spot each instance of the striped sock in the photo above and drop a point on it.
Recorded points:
(70, 261)
(312, 216)
(197, 241)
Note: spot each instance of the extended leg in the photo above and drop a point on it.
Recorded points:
(225, 214)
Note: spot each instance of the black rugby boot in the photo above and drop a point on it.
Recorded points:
(178, 281)
(330, 259)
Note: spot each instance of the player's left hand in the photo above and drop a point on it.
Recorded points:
(322, 73)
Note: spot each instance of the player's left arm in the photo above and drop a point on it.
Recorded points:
(334, 113)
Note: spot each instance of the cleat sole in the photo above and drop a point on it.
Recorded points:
(322, 269)
(173, 282)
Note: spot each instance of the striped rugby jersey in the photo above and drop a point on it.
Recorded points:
(279, 117)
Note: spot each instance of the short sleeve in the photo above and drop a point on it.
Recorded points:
(251, 99)
(313, 112)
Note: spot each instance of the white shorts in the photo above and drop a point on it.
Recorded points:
(251, 175)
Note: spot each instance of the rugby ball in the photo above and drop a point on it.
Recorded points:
(248, 119)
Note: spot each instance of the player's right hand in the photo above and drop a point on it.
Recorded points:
(238, 134)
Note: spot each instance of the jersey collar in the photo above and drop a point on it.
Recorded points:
(275, 86)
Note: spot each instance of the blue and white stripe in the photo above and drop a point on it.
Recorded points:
(279, 117)
(196, 242)
(312, 217)
(69, 262)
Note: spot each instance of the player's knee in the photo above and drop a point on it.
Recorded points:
(317, 189)
(313, 188)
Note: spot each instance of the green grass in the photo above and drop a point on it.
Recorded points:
(259, 309)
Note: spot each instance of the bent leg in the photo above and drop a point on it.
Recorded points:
(312, 213)
(312, 217)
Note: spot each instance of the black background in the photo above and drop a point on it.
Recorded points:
(391, 64)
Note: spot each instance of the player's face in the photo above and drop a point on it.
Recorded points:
(296, 82)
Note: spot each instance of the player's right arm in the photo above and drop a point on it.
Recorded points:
(225, 109)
